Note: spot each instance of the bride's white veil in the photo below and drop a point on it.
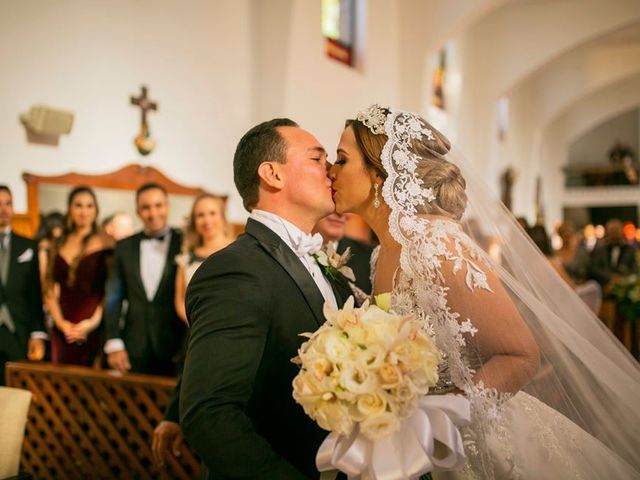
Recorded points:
(585, 374)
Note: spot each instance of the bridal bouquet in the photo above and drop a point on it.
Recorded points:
(364, 377)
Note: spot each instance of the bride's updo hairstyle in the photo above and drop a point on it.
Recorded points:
(433, 169)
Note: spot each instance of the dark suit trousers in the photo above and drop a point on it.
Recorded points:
(10, 350)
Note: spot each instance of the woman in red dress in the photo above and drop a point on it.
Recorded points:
(75, 282)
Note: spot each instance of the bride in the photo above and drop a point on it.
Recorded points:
(552, 392)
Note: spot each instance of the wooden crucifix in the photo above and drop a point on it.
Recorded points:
(143, 141)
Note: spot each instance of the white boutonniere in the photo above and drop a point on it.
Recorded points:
(334, 263)
(26, 256)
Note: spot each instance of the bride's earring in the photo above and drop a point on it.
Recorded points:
(376, 200)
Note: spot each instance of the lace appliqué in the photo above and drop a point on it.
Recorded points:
(421, 287)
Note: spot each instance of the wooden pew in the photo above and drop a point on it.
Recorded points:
(86, 423)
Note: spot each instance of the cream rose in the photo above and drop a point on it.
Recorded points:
(390, 375)
(371, 404)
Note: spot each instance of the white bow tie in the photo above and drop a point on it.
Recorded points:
(307, 244)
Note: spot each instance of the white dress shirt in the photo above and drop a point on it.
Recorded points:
(292, 236)
(153, 258)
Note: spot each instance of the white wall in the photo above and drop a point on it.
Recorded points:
(321, 93)
(215, 68)
(593, 145)
(512, 42)
(584, 115)
(89, 56)
(551, 90)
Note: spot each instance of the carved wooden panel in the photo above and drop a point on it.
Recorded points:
(85, 423)
(23, 225)
(128, 178)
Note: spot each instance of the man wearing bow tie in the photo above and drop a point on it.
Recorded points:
(143, 276)
(22, 331)
(247, 306)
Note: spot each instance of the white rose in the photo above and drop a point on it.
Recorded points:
(357, 379)
(337, 347)
(334, 416)
(371, 356)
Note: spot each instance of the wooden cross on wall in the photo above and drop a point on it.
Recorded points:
(143, 140)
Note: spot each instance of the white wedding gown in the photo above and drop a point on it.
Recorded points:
(510, 436)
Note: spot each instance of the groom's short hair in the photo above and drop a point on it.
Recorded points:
(263, 143)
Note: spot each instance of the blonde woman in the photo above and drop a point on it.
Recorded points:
(207, 232)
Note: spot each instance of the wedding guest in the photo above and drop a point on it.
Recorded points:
(589, 291)
(75, 281)
(49, 232)
(613, 257)
(573, 253)
(118, 225)
(143, 274)
(332, 229)
(22, 331)
(207, 232)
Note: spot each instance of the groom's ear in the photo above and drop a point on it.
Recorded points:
(271, 174)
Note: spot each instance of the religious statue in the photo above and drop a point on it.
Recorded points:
(621, 154)
(143, 141)
(507, 179)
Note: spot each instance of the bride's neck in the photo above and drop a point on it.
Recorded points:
(378, 220)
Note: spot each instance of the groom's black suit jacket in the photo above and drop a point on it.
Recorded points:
(248, 305)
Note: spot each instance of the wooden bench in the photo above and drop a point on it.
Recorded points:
(86, 423)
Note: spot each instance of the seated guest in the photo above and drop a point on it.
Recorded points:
(590, 292)
(49, 232)
(75, 281)
(332, 228)
(22, 330)
(614, 257)
(207, 232)
(143, 275)
(573, 254)
(118, 225)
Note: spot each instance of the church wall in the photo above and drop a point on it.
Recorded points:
(546, 94)
(594, 145)
(583, 116)
(88, 57)
(504, 48)
(321, 93)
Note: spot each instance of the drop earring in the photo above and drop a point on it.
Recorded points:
(376, 200)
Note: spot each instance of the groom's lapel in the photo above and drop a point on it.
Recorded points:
(340, 287)
(292, 265)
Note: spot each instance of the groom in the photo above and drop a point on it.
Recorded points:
(247, 306)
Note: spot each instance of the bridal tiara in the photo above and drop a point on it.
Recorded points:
(374, 118)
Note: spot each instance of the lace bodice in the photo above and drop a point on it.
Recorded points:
(422, 288)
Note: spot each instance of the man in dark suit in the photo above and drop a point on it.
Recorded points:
(167, 436)
(22, 331)
(143, 275)
(332, 228)
(247, 306)
(614, 257)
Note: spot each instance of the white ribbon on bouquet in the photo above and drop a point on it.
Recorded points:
(407, 453)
